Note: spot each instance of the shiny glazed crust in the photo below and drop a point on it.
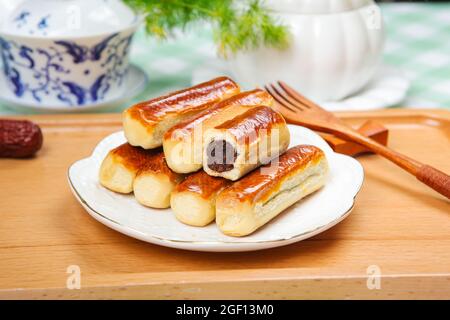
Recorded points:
(129, 169)
(260, 196)
(257, 135)
(183, 143)
(145, 123)
(255, 97)
(244, 126)
(202, 184)
(154, 183)
(119, 168)
(194, 200)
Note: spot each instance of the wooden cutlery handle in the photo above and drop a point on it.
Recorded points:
(435, 179)
(369, 129)
(430, 176)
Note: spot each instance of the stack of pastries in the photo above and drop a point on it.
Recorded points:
(213, 153)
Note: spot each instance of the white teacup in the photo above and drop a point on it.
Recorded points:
(66, 53)
(335, 49)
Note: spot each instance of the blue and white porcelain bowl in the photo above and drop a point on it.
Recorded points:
(64, 54)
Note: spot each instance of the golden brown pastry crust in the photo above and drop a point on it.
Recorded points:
(120, 166)
(134, 158)
(202, 184)
(155, 181)
(193, 201)
(157, 165)
(246, 126)
(199, 97)
(243, 143)
(183, 144)
(266, 192)
(261, 183)
(249, 98)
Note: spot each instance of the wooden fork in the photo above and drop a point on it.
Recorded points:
(299, 110)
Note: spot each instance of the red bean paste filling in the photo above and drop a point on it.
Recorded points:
(221, 156)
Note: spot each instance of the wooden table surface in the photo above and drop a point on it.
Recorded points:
(398, 227)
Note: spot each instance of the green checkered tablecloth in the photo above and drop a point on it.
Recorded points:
(418, 43)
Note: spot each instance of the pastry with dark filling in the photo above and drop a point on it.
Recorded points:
(243, 143)
(183, 143)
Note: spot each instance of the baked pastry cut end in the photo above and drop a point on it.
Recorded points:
(153, 190)
(192, 209)
(115, 176)
(194, 200)
(183, 156)
(138, 133)
(120, 166)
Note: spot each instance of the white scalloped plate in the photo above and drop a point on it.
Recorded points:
(388, 87)
(315, 214)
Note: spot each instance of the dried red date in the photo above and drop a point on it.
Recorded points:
(19, 138)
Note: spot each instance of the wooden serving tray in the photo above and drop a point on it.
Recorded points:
(398, 226)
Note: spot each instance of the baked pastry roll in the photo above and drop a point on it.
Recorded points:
(183, 143)
(243, 143)
(194, 200)
(155, 181)
(145, 123)
(263, 194)
(119, 168)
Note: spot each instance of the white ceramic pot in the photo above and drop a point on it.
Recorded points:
(335, 49)
(66, 53)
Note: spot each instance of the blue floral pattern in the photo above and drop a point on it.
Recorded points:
(49, 69)
(22, 19)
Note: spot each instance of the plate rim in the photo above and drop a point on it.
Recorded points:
(313, 232)
(209, 245)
